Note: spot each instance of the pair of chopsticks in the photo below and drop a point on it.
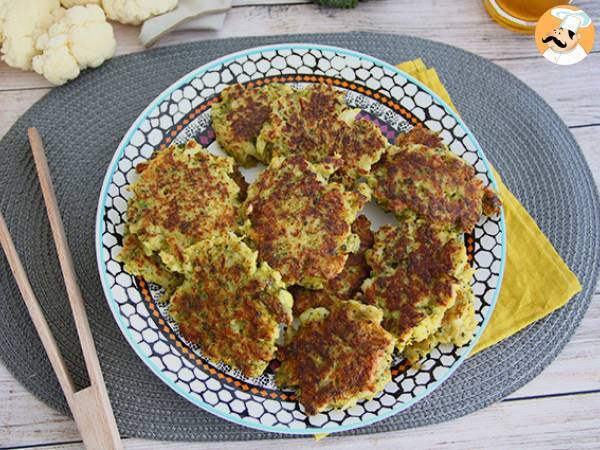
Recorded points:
(90, 406)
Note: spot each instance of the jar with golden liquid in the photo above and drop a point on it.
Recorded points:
(520, 15)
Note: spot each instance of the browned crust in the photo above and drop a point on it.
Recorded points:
(414, 274)
(491, 202)
(347, 283)
(230, 310)
(201, 189)
(360, 138)
(419, 135)
(204, 319)
(175, 195)
(319, 205)
(247, 122)
(239, 179)
(313, 127)
(410, 166)
(344, 351)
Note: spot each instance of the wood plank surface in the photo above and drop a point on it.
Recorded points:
(471, 30)
(541, 423)
(558, 409)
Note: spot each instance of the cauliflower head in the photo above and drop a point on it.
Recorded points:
(22, 22)
(3, 5)
(70, 3)
(82, 38)
(134, 12)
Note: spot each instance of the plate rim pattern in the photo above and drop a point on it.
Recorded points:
(100, 223)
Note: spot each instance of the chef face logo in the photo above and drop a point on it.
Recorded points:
(564, 35)
(561, 40)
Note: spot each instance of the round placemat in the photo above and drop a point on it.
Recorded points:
(82, 123)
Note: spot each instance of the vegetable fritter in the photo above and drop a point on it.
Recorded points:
(238, 118)
(337, 356)
(183, 195)
(360, 145)
(418, 181)
(316, 124)
(457, 328)
(229, 306)
(306, 122)
(150, 268)
(347, 283)
(417, 271)
(300, 223)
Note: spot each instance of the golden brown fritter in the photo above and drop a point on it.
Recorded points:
(230, 307)
(347, 283)
(304, 122)
(300, 223)
(239, 116)
(150, 268)
(337, 356)
(417, 273)
(183, 195)
(360, 144)
(457, 328)
(316, 124)
(416, 181)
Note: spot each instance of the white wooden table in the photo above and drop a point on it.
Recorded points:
(558, 409)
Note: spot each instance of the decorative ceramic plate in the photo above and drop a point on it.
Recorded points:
(391, 99)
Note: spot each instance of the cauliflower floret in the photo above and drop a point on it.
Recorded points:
(23, 22)
(3, 5)
(135, 12)
(81, 38)
(70, 3)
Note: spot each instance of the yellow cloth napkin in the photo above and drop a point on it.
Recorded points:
(536, 279)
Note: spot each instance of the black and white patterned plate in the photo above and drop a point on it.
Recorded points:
(385, 95)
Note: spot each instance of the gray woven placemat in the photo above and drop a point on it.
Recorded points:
(81, 125)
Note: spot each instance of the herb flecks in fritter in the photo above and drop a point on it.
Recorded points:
(300, 223)
(230, 306)
(183, 195)
(347, 283)
(304, 122)
(360, 145)
(238, 118)
(316, 124)
(417, 272)
(150, 268)
(337, 357)
(420, 178)
(457, 328)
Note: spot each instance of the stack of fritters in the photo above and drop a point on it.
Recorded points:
(315, 123)
(417, 272)
(238, 256)
(421, 278)
(230, 305)
(183, 195)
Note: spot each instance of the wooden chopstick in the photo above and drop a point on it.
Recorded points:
(90, 406)
(35, 311)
